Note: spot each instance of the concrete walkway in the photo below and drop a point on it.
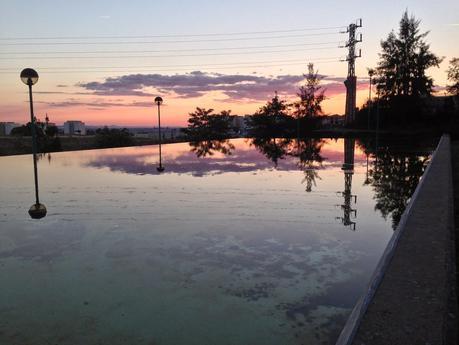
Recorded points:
(412, 296)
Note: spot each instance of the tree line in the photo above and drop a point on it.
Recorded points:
(403, 98)
(276, 118)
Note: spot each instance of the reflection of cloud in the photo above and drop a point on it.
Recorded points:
(144, 162)
(439, 88)
(196, 84)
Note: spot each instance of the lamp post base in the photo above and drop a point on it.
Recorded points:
(160, 169)
(37, 211)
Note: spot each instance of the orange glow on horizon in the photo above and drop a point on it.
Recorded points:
(174, 112)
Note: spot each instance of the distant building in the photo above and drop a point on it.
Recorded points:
(7, 127)
(239, 124)
(332, 120)
(74, 128)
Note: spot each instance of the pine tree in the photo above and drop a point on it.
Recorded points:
(311, 95)
(403, 62)
(453, 76)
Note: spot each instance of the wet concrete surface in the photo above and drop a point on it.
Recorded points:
(415, 301)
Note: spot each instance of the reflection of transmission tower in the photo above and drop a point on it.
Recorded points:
(348, 169)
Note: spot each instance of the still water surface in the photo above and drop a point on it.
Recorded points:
(236, 242)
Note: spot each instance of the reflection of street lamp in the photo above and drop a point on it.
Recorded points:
(30, 77)
(159, 101)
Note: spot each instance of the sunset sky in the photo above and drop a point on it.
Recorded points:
(103, 62)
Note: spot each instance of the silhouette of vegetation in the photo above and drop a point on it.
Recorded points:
(453, 77)
(309, 159)
(209, 147)
(310, 103)
(273, 148)
(26, 130)
(271, 120)
(51, 131)
(203, 124)
(394, 176)
(113, 137)
(307, 151)
(401, 80)
(47, 139)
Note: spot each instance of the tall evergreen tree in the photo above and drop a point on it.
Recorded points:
(453, 76)
(311, 95)
(403, 62)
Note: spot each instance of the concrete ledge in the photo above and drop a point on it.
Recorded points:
(407, 301)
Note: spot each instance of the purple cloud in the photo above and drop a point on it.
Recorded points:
(236, 87)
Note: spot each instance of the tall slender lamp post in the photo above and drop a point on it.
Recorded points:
(30, 77)
(159, 101)
(371, 73)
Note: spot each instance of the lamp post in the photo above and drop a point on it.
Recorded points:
(371, 73)
(159, 101)
(30, 77)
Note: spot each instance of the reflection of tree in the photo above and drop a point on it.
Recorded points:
(209, 147)
(394, 179)
(273, 148)
(41, 156)
(308, 153)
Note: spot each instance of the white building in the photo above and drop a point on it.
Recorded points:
(74, 128)
(7, 127)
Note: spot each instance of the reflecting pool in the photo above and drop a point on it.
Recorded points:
(249, 241)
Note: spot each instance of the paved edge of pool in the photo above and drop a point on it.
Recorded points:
(411, 297)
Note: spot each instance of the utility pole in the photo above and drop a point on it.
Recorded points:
(351, 81)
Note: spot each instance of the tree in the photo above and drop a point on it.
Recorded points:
(453, 76)
(311, 95)
(51, 131)
(26, 130)
(404, 59)
(270, 119)
(204, 125)
(113, 137)
(274, 108)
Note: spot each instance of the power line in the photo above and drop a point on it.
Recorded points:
(169, 35)
(336, 59)
(163, 56)
(241, 64)
(169, 50)
(175, 41)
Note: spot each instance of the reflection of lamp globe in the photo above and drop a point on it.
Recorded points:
(29, 76)
(37, 211)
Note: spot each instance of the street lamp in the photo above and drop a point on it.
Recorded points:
(30, 77)
(371, 73)
(159, 101)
